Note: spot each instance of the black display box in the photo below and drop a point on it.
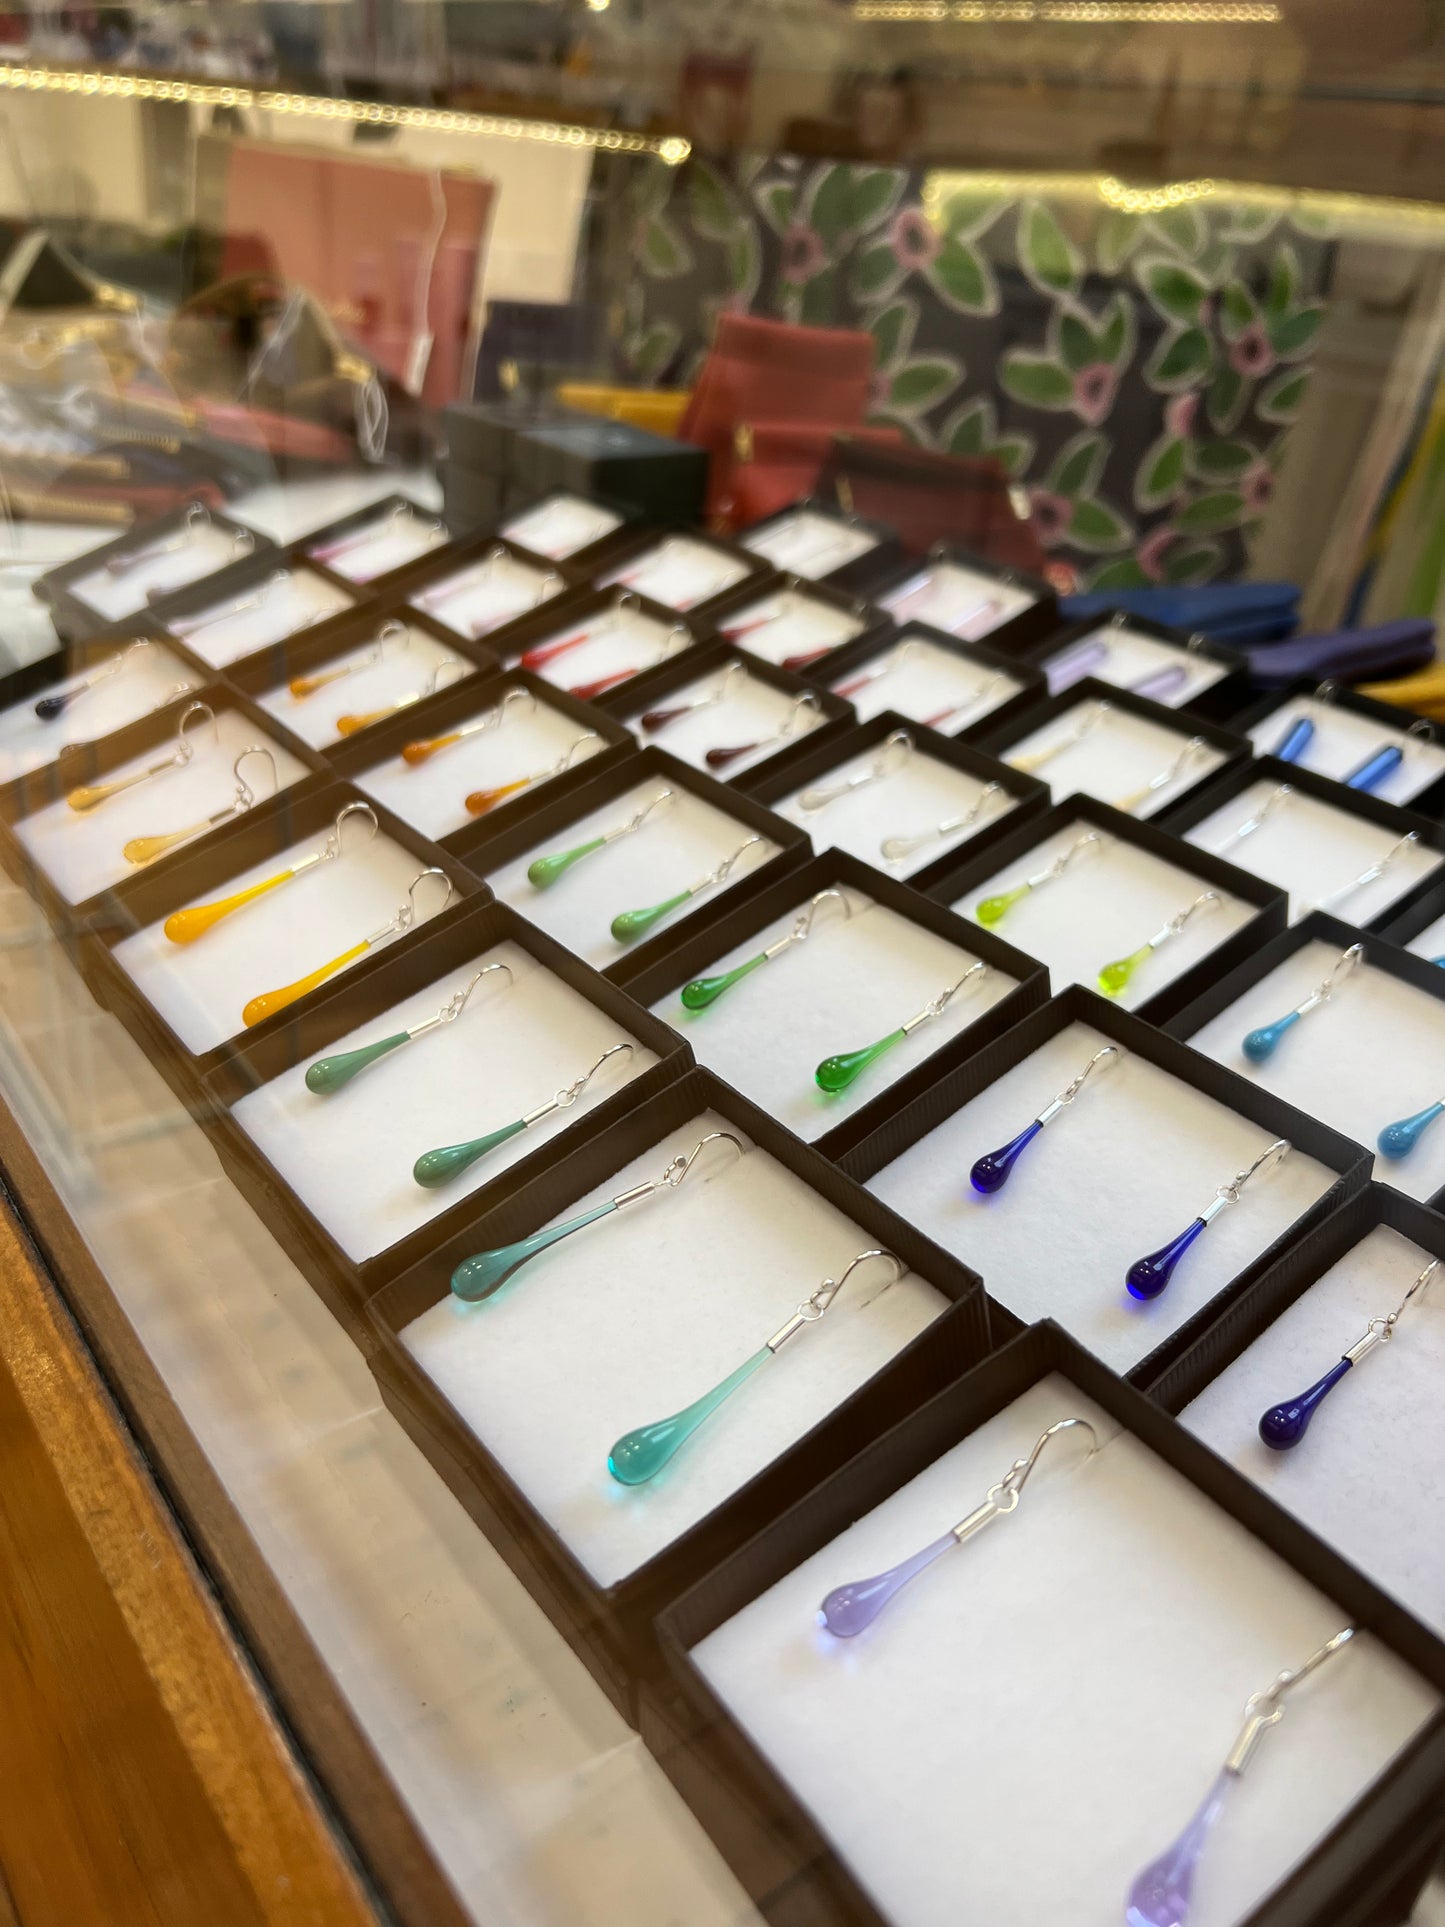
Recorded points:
(967, 872)
(731, 605)
(855, 578)
(374, 512)
(652, 688)
(649, 475)
(463, 702)
(1401, 924)
(234, 583)
(441, 946)
(1394, 821)
(480, 436)
(1219, 703)
(840, 665)
(486, 847)
(610, 1628)
(786, 1862)
(694, 951)
(579, 562)
(799, 766)
(1075, 1005)
(1020, 635)
(630, 544)
(1233, 748)
(412, 584)
(472, 498)
(1429, 801)
(75, 619)
(32, 680)
(82, 763)
(204, 870)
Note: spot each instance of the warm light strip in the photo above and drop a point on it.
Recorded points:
(670, 148)
(1194, 13)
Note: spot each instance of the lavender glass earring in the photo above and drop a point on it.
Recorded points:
(994, 1169)
(1147, 1277)
(705, 991)
(1071, 665)
(893, 849)
(628, 924)
(892, 755)
(1380, 867)
(835, 1074)
(852, 1608)
(1161, 1894)
(1035, 759)
(1192, 750)
(476, 1279)
(1114, 977)
(1161, 683)
(992, 910)
(1260, 1045)
(641, 1454)
(1283, 1426)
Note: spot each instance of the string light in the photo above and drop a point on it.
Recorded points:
(1152, 200)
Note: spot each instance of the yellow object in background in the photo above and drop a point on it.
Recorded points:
(1424, 691)
(659, 409)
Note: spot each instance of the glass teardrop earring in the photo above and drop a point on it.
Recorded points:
(641, 1454)
(1193, 751)
(894, 849)
(1278, 797)
(1295, 741)
(1283, 1426)
(184, 926)
(652, 721)
(702, 992)
(805, 709)
(449, 670)
(887, 665)
(1027, 761)
(1115, 977)
(678, 638)
(851, 1608)
(985, 697)
(330, 1074)
(1147, 1277)
(836, 1074)
(628, 925)
(1371, 874)
(392, 635)
(479, 802)
(993, 1170)
(145, 849)
(992, 910)
(893, 753)
(543, 871)
(1260, 1045)
(49, 707)
(536, 659)
(436, 1168)
(197, 517)
(88, 796)
(422, 750)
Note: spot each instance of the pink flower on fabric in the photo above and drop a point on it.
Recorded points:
(914, 239)
(1150, 552)
(1179, 414)
(1062, 577)
(1094, 392)
(1252, 354)
(1051, 515)
(1257, 487)
(803, 253)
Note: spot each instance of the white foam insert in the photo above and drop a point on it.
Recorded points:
(1312, 850)
(809, 544)
(1109, 902)
(920, 792)
(1121, 1171)
(1374, 1053)
(1115, 760)
(150, 679)
(348, 1156)
(81, 852)
(611, 642)
(1343, 740)
(1037, 1716)
(482, 596)
(403, 668)
(787, 624)
(1431, 940)
(962, 601)
(201, 988)
(118, 593)
(561, 525)
(374, 548)
(1134, 655)
(528, 741)
(677, 845)
(749, 711)
(679, 572)
(929, 684)
(1369, 1476)
(850, 983)
(267, 612)
(641, 1313)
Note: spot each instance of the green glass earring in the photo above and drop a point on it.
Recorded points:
(545, 870)
(1114, 977)
(478, 1278)
(835, 1074)
(329, 1074)
(630, 924)
(993, 910)
(703, 991)
(640, 1455)
(435, 1168)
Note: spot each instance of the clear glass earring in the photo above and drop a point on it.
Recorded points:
(1035, 759)
(894, 849)
(1192, 751)
(1372, 874)
(892, 755)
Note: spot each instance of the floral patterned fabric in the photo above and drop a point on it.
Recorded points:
(1136, 373)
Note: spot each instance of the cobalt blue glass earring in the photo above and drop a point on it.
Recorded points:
(994, 1168)
(1285, 1425)
(1294, 742)
(1260, 1045)
(1147, 1277)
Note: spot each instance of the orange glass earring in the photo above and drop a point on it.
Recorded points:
(184, 926)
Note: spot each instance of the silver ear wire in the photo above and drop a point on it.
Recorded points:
(817, 1304)
(245, 795)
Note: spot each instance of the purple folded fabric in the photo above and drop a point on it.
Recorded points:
(1346, 655)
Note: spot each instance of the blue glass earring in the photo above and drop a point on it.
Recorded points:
(478, 1278)
(993, 1170)
(1260, 1045)
(1371, 875)
(1162, 1891)
(1376, 767)
(1195, 748)
(641, 1454)
(1295, 741)
(435, 1168)
(1283, 1426)
(1147, 1277)
(1114, 977)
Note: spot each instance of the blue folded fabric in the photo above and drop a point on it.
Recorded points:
(1347, 655)
(1231, 612)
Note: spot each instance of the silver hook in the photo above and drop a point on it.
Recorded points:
(1263, 1710)
(816, 1305)
(185, 626)
(803, 926)
(1380, 1330)
(895, 658)
(1194, 747)
(1206, 900)
(408, 916)
(1090, 840)
(1345, 966)
(893, 848)
(1003, 1498)
(1034, 759)
(1280, 794)
(1421, 730)
(1229, 1193)
(676, 1171)
(245, 795)
(663, 800)
(1328, 691)
(335, 842)
(1108, 1057)
(185, 749)
(197, 517)
(457, 1002)
(564, 1099)
(725, 868)
(587, 736)
(945, 997)
(895, 751)
(1373, 874)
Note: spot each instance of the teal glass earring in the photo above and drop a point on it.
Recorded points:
(1195, 748)
(1373, 874)
(640, 1455)
(704, 991)
(330, 1074)
(476, 1279)
(544, 871)
(435, 1168)
(893, 849)
(892, 755)
(630, 924)
(1260, 1045)
(835, 1074)
(1399, 1139)
(1114, 977)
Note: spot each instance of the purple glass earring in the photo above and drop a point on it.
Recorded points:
(1147, 1277)
(851, 1608)
(993, 1170)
